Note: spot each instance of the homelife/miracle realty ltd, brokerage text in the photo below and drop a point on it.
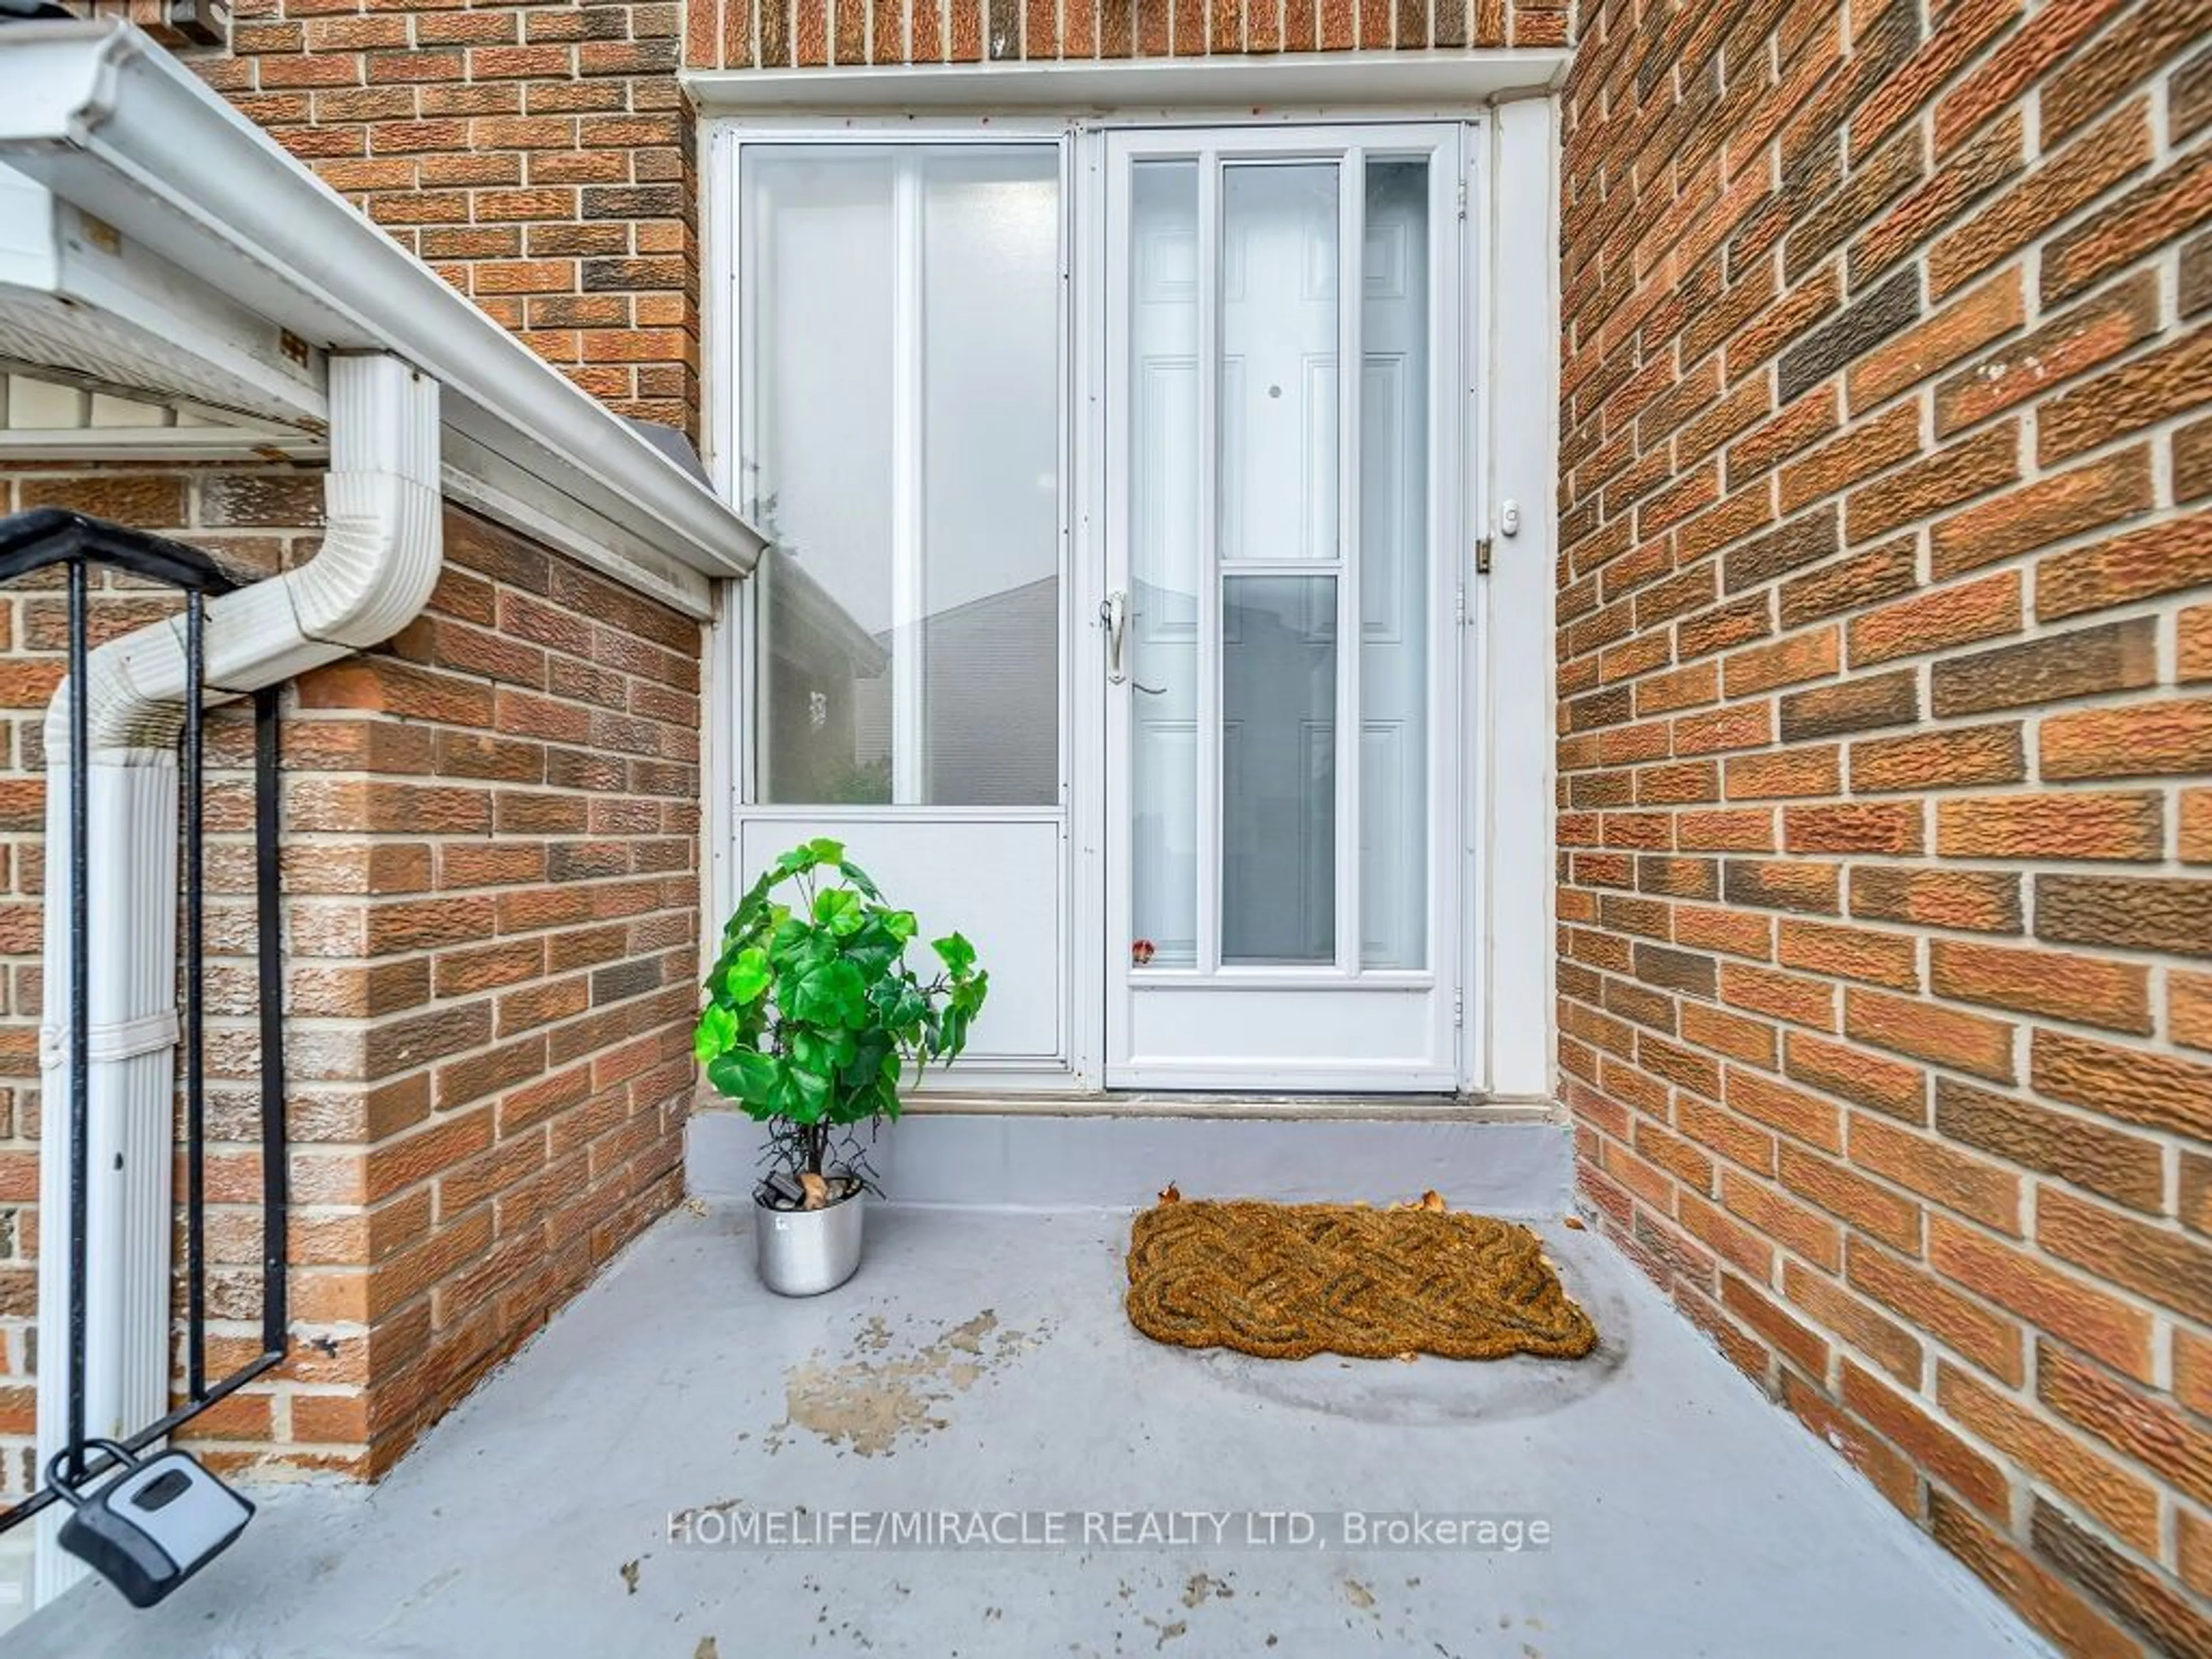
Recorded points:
(735, 1525)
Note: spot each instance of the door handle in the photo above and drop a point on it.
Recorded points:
(1114, 617)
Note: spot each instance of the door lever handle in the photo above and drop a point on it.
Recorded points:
(1113, 617)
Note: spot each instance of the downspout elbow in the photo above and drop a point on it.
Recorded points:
(383, 544)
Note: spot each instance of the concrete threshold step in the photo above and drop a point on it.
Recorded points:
(1502, 1160)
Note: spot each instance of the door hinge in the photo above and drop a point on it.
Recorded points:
(1462, 201)
(1459, 1006)
(1482, 555)
(1459, 602)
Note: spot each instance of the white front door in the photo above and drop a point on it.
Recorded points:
(1281, 603)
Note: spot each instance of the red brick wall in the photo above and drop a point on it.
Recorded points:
(1885, 634)
(491, 923)
(538, 157)
(497, 902)
(783, 34)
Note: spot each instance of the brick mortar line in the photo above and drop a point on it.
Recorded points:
(2025, 1395)
(2164, 1140)
(2025, 260)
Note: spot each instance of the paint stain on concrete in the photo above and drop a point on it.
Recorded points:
(881, 1396)
(1203, 1588)
(709, 1647)
(1357, 1594)
(630, 1577)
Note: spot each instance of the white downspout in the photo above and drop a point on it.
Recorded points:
(382, 546)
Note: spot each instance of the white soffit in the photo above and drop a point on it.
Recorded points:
(47, 414)
(77, 298)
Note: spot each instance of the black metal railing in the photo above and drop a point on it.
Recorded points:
(39, 540)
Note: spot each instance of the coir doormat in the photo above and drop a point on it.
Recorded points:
(1287, 1281)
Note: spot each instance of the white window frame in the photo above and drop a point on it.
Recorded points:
(1506, 893)
(723, 450)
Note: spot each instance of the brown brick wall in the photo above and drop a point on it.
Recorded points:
(785, 33)
(538, 157)
(1885, 636)
(491, 921)
(504, 924)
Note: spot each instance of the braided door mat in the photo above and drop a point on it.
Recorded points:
(1287, 1281)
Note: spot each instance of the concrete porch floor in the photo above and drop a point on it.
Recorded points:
(981, 1361)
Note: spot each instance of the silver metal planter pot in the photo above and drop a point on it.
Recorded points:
(807, 1252)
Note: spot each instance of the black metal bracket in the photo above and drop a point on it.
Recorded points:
(38, 540)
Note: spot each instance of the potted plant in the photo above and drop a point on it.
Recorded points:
(812, 1014)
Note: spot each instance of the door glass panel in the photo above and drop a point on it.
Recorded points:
(1163, 656)
(1279, 341)
(817, 466)
(1393, 567)
(1233, 648)
(901, 441)
(1278, 769)
(990, 561)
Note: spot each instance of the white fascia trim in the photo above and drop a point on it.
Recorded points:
(107, 120)
(495, 487)
(1303, 80)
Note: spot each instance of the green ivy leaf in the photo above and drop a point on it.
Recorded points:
(957, 955)
(751, 1078)
(747, 979)
(830, 995)
(718, 1030)
(804, 1097)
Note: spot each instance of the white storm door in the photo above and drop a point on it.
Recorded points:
(1279, 619)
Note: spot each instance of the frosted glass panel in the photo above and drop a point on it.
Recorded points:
(990, 449)
(1278, 769)
(1394, 567)
(1163, 655)
(816, 472)
(901, 421)
(1280, 571)
(1279, 342)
